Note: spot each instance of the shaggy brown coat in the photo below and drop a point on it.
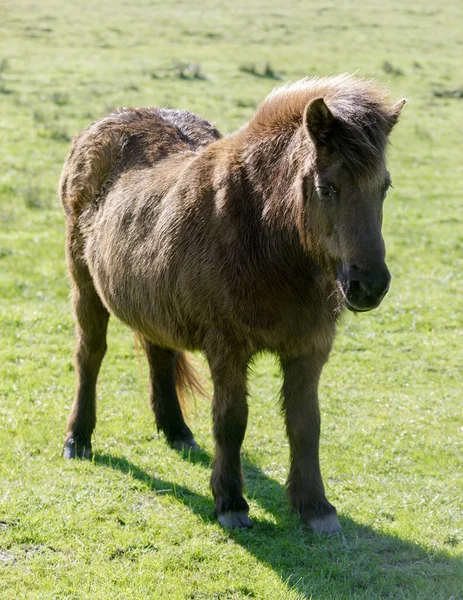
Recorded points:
(230, 246)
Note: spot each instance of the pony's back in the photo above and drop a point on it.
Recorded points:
(128, 139)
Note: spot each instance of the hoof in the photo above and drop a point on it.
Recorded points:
(185, 445)
(74, 449)
(326, 525)
(234, 519)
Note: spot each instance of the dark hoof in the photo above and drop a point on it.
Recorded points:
(237, 519)
(185, 445)
(75, 449)
(326, 525)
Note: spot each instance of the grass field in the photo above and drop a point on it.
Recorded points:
(137, 522)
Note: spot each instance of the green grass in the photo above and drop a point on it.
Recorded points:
(137, 522)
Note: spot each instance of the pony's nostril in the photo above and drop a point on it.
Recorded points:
(357, 288)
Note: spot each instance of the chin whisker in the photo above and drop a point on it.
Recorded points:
(339, 298)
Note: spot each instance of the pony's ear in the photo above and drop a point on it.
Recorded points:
(395, 111)
(318, 121)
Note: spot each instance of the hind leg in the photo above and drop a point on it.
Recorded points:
(164, 399)
(91, 319)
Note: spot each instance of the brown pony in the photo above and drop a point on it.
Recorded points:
(231, 246)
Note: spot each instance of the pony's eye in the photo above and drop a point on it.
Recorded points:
(326, 192)
(388, 185)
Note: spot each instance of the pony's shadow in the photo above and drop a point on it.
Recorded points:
(361, 562)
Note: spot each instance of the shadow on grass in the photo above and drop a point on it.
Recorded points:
(359, 563)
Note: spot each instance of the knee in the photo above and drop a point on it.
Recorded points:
(230, 425)
(91, 346)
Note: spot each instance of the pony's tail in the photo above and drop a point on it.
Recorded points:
(187, 382)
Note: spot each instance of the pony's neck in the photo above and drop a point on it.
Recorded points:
(275, 172)
(271, 164)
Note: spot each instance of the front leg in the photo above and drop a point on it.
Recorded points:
(302, 415)
(230, 415)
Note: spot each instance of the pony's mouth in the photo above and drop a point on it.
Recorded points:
(363, 304)
(354, 309)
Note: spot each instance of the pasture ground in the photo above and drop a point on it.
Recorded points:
(137, 521)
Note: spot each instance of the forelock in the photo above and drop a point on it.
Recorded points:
(362, 112)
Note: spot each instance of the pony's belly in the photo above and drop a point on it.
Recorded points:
(139, 306)
(133, 289)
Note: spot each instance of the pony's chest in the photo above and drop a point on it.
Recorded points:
(284, 323)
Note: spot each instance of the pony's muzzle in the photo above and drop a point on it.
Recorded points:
(364, 289)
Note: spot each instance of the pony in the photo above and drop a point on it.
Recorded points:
(231, 246)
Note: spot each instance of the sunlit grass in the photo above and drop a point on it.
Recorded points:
(138, 522)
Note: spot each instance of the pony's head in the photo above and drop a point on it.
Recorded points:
(343, 182)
